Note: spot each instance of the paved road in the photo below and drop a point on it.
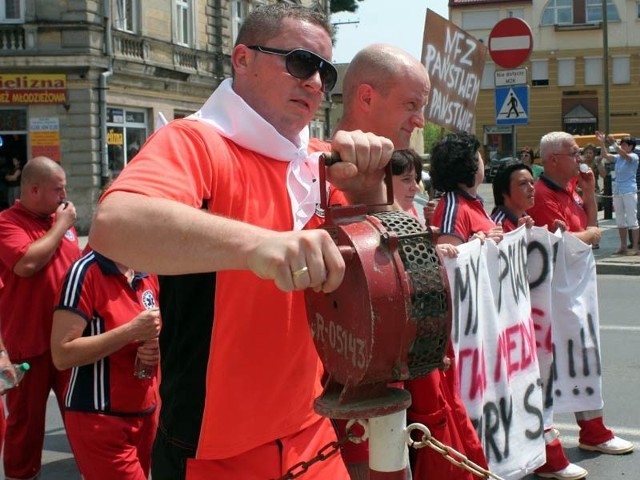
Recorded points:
(620, 336)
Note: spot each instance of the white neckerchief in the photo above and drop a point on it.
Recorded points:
(234, 119)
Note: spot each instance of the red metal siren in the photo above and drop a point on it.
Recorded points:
(388, 321)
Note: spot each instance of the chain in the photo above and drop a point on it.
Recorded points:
(447, 452)
(427, 440)
(325, 452)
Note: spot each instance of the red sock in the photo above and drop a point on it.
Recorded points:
(556, 459)
(594, 432)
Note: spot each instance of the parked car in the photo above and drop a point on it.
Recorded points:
(493, 166)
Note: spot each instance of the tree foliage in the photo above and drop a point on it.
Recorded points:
(344, 5)
(432, 133)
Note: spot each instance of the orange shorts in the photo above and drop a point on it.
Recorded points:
(272, 460)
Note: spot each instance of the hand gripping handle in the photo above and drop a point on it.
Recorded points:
(330, 158)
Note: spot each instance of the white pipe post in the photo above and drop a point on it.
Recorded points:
(388, 451)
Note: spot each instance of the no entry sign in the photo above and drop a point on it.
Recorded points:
(510, 42)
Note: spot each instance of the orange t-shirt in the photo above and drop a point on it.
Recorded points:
(263, 370)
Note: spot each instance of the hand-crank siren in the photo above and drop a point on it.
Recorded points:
(390, 318)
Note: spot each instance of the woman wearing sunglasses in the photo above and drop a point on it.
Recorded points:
(527, 157)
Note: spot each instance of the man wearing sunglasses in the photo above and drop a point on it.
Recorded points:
(232, 190)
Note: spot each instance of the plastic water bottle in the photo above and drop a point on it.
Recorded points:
(143, 370)
(6, 382)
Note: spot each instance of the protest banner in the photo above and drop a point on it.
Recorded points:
(576, 329)
(541, 253)
(525, 329)
(455, 61)
(494, 341)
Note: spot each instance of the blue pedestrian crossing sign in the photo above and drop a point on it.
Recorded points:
(512, 105)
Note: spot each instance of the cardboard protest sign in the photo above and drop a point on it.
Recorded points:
(455, 61)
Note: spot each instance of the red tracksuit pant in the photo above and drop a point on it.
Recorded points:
(27, 406)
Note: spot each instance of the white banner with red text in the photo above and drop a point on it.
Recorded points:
(516, 365)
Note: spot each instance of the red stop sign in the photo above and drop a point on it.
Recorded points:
(510, 42)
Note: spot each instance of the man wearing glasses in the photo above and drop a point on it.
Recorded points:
(556, 198)
(238, 386)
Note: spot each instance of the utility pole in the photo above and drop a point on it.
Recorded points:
(327, 109)
(607, 181)
(605, 64)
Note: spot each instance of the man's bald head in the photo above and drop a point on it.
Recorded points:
(384, 92)
(379, 65)
(39, 170)
(42, 186)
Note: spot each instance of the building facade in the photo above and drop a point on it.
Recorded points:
(85, 82)
(565, 73)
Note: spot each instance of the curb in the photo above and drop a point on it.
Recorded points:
(607, 262)
(606, 268)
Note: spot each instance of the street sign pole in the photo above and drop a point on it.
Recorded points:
(510, 42)
(510, 45)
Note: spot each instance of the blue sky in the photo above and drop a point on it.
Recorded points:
(399, 22)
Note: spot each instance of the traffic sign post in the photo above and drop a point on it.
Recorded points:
(510, 42)
(506, 78)
(512, 105)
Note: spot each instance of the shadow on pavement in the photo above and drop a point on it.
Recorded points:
(60, 469)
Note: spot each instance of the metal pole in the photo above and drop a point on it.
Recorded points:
(605, 64)
(388, 451)
(607, 201)
(327, 108)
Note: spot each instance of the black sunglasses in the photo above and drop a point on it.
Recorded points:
(302, 64)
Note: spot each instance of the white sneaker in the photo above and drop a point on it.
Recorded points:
(615, 446)
(570, 472)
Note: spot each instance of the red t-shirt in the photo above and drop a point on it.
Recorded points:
(263, 370)
(505, 217)
(461, 215)
(553, 202)
(95, 289)
(26, 303)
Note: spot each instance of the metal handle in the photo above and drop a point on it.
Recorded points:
(330, 158)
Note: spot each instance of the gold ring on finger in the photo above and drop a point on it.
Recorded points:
(299, 272)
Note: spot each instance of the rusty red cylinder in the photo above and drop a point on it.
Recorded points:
(372, 330)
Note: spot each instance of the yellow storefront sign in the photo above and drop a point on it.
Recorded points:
(25, 89)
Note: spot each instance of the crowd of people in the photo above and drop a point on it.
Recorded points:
(231, 240)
